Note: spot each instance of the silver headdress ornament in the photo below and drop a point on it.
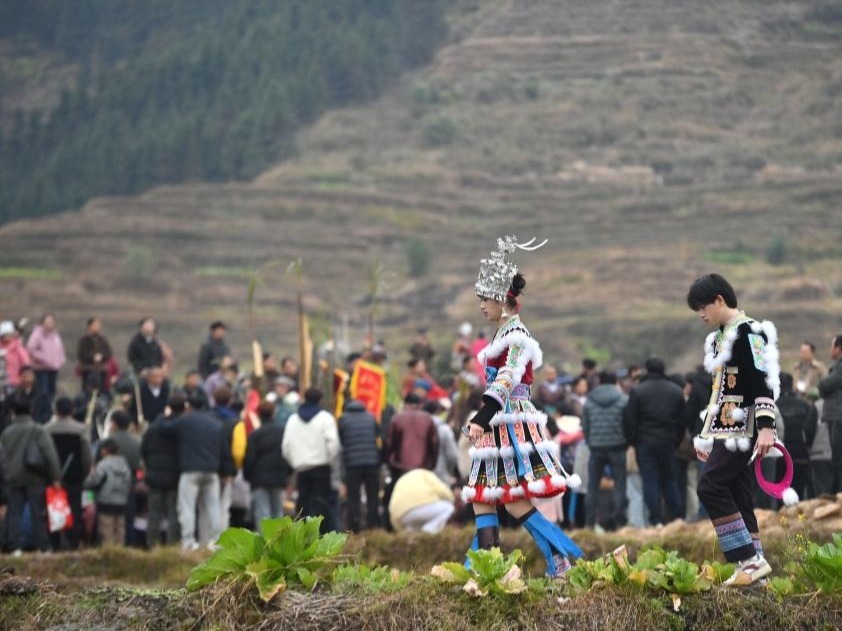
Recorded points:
(496, 273)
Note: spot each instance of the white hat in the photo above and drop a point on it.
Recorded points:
(7, 328)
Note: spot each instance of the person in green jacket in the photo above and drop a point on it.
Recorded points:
(25, 486)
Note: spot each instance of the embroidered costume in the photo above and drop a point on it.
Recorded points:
(743, 358)
(513, 460)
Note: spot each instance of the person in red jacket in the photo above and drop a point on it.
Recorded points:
(412, 442)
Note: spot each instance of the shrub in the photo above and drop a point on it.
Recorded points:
(439, 131)
(776, 252)
(419, 257)
(491, 572)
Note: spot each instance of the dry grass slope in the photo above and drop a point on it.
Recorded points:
(650, 141)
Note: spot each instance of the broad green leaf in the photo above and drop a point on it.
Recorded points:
(307, 578)
(271, 583)
(237, 548)
(459, 571)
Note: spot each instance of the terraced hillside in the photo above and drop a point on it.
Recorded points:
(649, 140)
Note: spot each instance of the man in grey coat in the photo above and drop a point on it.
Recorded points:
(602, 424)
(26, 486)
(830, 389)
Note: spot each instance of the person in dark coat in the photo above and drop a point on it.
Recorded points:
(71, 439)
(31, 396)
(144, 350)
(358, 435)
(93, 352)
(202, 454)
(159, 452)
(213, 350)
(655, 424)
(264, 467)
(154, 391)
(800, 424)
(26, 487)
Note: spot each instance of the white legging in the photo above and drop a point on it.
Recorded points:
(429, 518)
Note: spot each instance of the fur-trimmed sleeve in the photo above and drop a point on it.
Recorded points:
(519, 349)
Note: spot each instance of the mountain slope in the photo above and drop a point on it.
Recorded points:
(650, 141)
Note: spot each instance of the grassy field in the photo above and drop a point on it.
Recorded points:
(130, 589)
(649, 141)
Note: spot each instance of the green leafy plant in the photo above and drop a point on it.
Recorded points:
(377, 579)
(491, 572)
(600, 571)
(822, 565)
(286, 553)
(656, 568)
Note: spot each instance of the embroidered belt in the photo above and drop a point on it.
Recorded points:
(520, 391)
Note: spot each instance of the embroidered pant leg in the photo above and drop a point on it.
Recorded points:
(725, 490)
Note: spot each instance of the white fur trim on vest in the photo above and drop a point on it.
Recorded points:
(743, 444)
(738, 414)
(731, 444)
(507, 452)
(531, 349)
(772, 357)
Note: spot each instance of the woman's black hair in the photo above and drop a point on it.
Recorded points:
(515, 290)
(705, 289)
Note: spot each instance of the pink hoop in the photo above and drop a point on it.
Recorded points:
(775, 489)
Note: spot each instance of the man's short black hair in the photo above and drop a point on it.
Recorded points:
(20, 405)
(786, 382)
(705, 289)
(313, 395)
(217, 324)
(588, 363)
(837, 341)
(412, 399)
(607, 377)
(177, 403)
(432, 407)
(655, 365)
(810, 344)
(121, 419)
(64, 406)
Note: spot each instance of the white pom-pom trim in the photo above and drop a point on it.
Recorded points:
(537, 487)
(738, 414)
(731, 444)
(557, 482)
(507, 452)
(517, 491)
(574, 482)
(790, 497)
(743, 444)
(468, 493)
(705, 445)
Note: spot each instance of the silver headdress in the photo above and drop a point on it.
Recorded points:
(496, 273)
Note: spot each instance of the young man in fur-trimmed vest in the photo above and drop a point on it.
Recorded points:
(739, 422)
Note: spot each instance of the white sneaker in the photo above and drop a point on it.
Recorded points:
(191, 546)
(749, 571)
(17, 553)
(599, 529)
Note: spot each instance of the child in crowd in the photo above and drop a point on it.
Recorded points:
(111, 478)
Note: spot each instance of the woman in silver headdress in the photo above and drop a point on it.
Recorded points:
(512, 461)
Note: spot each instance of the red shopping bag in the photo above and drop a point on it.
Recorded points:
(59, 515)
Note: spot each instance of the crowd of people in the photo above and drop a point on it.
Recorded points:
(145, 461)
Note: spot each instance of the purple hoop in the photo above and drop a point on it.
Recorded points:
(775, 489)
